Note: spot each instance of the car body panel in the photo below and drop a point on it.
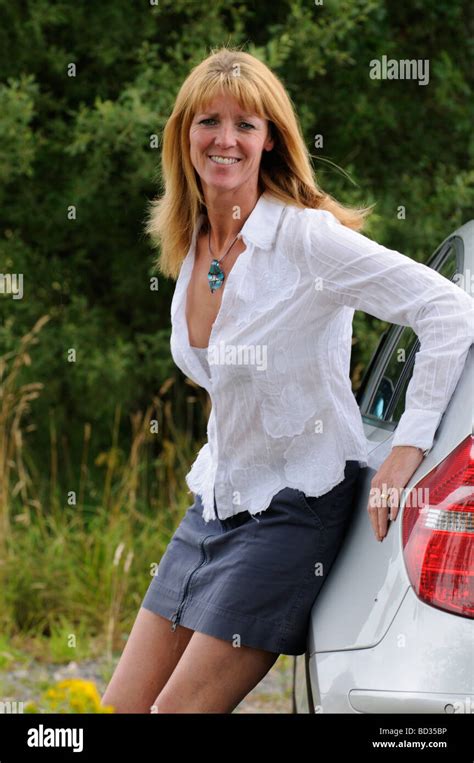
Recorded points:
(373, 645)
(435, 649)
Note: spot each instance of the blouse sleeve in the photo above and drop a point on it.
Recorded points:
(358, 272)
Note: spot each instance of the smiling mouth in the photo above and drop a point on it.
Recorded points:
(223, 161)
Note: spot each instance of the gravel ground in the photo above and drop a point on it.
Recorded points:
(271, 695)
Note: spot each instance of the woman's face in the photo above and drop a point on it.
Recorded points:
(225, 131)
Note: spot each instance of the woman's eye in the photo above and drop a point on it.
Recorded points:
(210, 119)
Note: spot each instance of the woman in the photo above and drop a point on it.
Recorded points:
(262, 318)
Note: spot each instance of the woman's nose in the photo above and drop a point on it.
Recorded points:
(225, 136)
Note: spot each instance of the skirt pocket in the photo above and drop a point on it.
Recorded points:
(337, 502)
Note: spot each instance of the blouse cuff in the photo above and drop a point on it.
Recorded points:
(417, 428)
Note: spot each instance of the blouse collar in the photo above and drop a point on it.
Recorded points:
(261, 225)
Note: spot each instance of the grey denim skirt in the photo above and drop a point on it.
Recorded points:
(252, 580)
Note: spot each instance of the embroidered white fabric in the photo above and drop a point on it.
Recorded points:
(283, 411)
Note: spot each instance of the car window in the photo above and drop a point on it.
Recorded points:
(387, 386)
(388, 399)
(448, 267)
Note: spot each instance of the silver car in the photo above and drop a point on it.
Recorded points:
(392, 629)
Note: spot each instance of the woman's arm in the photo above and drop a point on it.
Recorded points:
(365, 275)
(360, 273)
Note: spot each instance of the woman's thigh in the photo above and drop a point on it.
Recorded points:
(150, 655)
(213, 676)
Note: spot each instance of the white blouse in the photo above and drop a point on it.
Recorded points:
(283, 411)
(201, 353)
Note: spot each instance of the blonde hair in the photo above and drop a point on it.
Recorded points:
(285, 171)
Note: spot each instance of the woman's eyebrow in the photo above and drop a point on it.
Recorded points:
(216, 114)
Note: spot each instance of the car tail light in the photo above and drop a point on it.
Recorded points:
(438, 533)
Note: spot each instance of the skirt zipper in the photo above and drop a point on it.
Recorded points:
(176, 615)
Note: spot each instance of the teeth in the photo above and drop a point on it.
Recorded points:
(223, 160)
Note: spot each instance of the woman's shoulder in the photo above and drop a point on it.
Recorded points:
(303, 217)
(300, 224)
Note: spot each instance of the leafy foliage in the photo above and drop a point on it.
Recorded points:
(85, 142)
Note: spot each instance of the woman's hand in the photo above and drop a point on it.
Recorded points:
(387, 484)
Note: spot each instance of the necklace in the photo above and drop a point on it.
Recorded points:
(216, 275)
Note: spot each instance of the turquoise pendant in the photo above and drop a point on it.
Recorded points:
(215, 276)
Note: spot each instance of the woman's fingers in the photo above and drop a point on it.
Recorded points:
(378, 512)
(384, 504)
(387, 486)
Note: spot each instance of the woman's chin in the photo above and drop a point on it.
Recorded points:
(220, 184)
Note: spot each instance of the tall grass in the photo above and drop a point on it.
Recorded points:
(83, 559)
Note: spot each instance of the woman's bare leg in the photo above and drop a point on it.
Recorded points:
(212, 676)
(150, 655)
